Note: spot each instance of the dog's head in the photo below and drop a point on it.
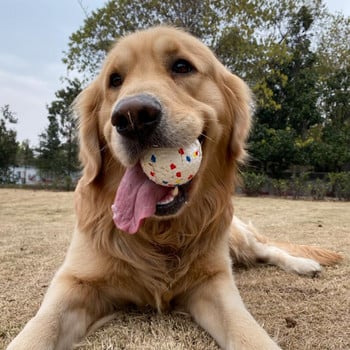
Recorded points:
(161, 88)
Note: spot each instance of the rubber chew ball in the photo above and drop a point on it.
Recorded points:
(172, 166)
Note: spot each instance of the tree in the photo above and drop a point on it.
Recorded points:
(293, 86)
(58, 145)
(8, 142)
(272, 151)
(49, 158)
(331, 150)
(334, 54)
(25, 154)
(293, 79)
(61, 108)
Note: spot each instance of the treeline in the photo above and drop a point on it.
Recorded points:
(56, 156)
(295, 55)
(298, 185)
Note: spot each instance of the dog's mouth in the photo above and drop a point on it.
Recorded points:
(173, 201)
(138, 198)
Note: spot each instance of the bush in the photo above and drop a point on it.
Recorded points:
(340, 183)
(253, 183)
(298, 185)
(280, 187)
(318, 189)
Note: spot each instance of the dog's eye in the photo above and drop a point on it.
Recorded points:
(115, 80)
(182, 66)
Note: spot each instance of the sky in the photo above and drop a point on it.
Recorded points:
(33, 36)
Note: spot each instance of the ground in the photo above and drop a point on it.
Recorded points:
(299, 312)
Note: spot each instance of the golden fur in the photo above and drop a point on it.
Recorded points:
(181, 260)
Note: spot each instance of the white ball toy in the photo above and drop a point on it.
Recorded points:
(172, 166)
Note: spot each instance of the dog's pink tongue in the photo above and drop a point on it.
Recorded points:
(136, 199)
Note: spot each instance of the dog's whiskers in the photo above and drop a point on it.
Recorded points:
(206, 137)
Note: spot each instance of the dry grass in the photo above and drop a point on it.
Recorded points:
(302, 313)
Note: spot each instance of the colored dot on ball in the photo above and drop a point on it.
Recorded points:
(190, 177)
(153, 158)
(172, 166)
(165, 182)
(181, 151)
(178, 174)
(152, 173)
(188, 158)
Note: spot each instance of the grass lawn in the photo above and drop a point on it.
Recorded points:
(301, 313)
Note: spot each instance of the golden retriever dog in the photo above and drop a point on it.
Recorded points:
(165, 247)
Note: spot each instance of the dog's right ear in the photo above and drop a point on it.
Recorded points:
(240, 105)
(87, 106)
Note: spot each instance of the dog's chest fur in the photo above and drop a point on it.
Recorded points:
(162, 273)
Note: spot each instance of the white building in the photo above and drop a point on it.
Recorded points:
(26, 175)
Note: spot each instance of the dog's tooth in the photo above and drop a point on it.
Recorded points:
(175, 191)
(167, 200)
(170, 197)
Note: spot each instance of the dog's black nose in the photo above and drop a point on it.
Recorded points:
(137, 116)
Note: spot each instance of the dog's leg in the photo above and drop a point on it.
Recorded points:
(247, 246)
(217, 306)
(69, 308)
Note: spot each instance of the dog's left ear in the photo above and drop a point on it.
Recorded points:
(240, 103)
(87, 106)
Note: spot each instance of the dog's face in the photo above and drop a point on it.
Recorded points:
(158, 94)
(163, 88)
